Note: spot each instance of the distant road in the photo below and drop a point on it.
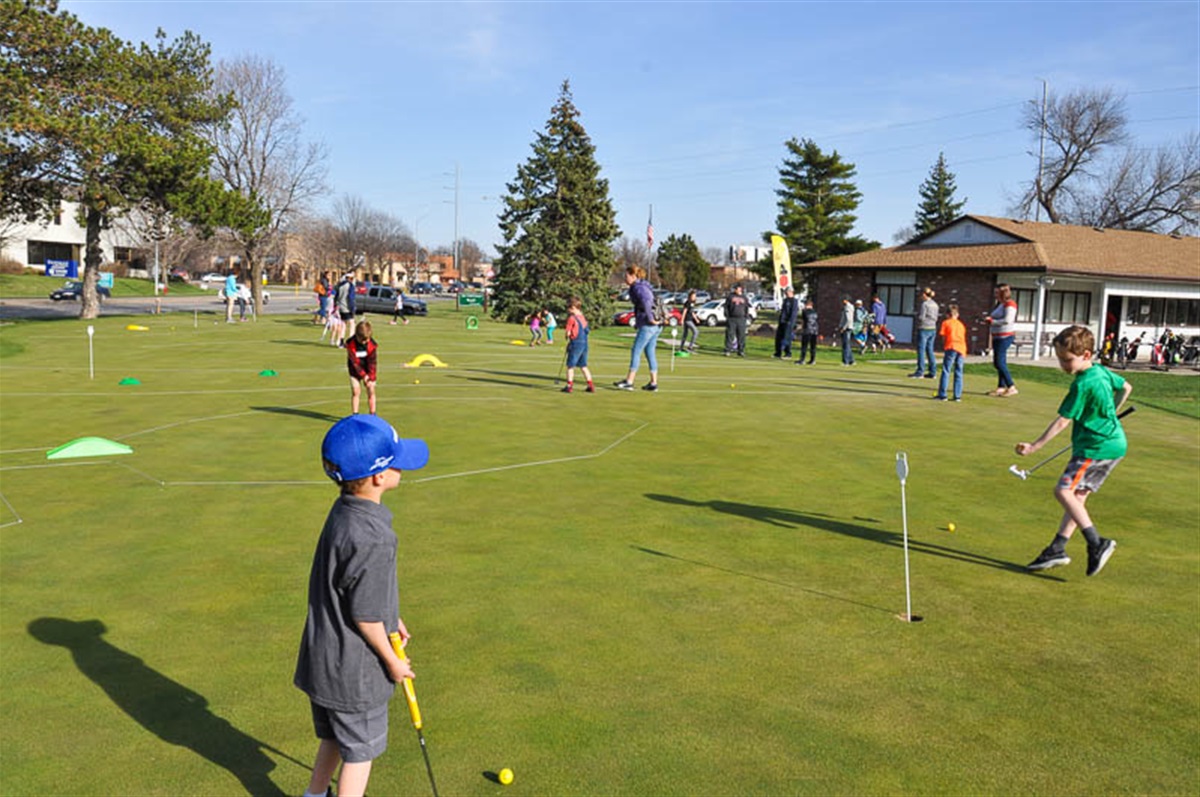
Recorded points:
(283, 300)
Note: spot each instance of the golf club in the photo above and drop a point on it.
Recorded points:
(561, 365)
(414, 710)
(1024, 474)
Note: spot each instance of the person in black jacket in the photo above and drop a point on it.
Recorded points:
(809, 330)
(788, 312)
(737, 317)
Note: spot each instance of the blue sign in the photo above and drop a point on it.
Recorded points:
(67, 269)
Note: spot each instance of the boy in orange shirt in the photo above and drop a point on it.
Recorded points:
(954, 343)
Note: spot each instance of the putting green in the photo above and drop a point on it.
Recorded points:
(685, 592)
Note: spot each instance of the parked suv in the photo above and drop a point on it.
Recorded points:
(424, 287)
(382, 299)
(73, 289)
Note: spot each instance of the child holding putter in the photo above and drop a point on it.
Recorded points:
(577, 345)
(347, 665)
(361, 351)
(1097, 445)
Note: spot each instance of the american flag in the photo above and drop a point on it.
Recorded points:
(650, 230)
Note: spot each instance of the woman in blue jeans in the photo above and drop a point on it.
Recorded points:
(1003, 319)
(642, 296)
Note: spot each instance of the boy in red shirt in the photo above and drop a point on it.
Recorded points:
(361, 351)
(954, 342)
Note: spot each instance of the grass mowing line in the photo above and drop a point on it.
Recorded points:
(599, 453)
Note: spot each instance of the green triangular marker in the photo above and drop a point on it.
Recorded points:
(88, 447)
(267, 372)
(129, 380)
(683, 354)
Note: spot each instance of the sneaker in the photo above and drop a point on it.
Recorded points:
(915, 375)
(568, 389)
(591, 388)
(929, 376)
(1049, 558)
(650, 386)
(1012, 391)
(958, 398)
(939, 398)
(623, 385)
(1098, 555)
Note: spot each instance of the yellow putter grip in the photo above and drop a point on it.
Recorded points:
(410, 694)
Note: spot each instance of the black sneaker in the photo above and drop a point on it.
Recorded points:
(623, 385)
(915, 375)
(1098, 555)
(568, 389)
(591, 388)
(929, 376)
(651, 386)
(1049, 558)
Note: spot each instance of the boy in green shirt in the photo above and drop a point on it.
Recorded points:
(1097, 445)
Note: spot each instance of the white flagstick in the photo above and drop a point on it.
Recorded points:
(91, 359)
(902, 473)
(674, 343)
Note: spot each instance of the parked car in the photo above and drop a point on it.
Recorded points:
(208, 280)
(179, 274)
(627, 317)
(382, 299)
(712, 313)
(424, 287)
(766, 303)
(73, 289)
(244, 293)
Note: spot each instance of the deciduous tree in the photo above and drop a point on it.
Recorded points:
(88, 117)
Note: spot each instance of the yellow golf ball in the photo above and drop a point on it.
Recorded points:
(732, 386)
(506, 776)
(950, 527)
(416, 381)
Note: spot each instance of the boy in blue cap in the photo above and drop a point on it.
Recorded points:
(347, 666)
(1097, 445)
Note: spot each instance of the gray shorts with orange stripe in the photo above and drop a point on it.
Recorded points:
(1084, 474)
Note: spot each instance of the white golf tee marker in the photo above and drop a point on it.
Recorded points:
(674, 346)
(91, 359)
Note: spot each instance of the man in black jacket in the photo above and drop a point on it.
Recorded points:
(737, 316)
(788, 312)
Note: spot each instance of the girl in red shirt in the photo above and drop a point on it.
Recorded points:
(360, 360)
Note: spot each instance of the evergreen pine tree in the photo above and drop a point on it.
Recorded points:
(558, 225)
(681, 264)
(937, 199)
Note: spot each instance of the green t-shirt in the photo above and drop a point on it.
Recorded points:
(1096, 433)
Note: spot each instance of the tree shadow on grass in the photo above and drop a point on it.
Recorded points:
(169, 710)
(790, 519)
(324, 417)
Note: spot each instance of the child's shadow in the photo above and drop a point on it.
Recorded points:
(167, 709)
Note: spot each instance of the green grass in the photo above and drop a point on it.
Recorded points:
(36, 286)
(692, 592)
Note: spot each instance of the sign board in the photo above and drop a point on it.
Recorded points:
(106, 280)
(470, 300)
(66, 269)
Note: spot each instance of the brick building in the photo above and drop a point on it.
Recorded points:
(1129, 283)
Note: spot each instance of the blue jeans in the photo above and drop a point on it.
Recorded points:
(952, 359)
(847, 347)
(926, 364)
(646, 340)
(1000, 348)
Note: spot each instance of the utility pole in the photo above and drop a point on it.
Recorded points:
(454, 249)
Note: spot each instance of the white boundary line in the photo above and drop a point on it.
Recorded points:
(12, 509)
(600, 453)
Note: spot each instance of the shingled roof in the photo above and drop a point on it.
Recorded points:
(1043, 247)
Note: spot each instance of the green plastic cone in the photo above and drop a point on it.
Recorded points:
(88, 447)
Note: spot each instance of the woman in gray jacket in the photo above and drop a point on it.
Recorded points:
(927, 316)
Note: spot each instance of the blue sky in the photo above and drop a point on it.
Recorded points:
(689, 103)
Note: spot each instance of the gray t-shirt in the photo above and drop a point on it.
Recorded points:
(927, 315)
(353, 578)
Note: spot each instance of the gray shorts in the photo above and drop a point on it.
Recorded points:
(1084, 474)
(360, 735)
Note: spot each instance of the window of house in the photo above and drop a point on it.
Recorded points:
(1062, 307)
(122, 254)
(1145, 311)
(898, 291)
(38, 252)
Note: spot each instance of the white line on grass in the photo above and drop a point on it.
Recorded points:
(12, 509)
(600, 453)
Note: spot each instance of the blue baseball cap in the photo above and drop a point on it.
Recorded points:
(362, 445)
